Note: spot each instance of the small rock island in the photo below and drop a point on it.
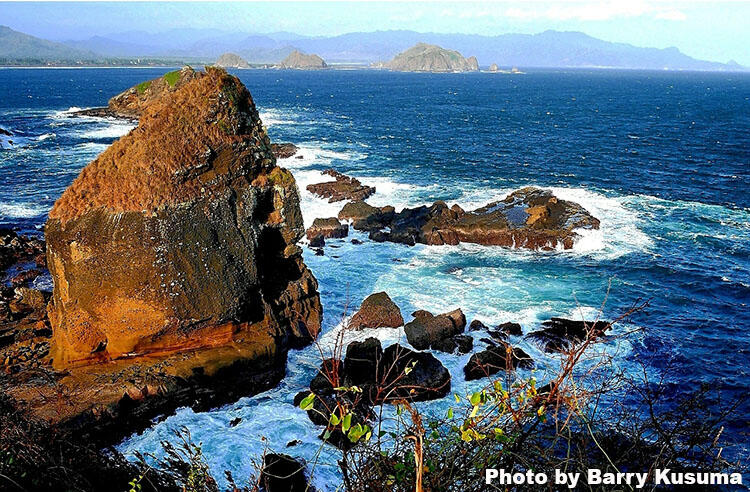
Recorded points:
(231, 60)
(302, 61)
(431, 58)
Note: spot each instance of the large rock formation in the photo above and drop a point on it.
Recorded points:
(181, 237)
(299, 60)
(231, 60)
(431, 58)
(132, 102)
(529, 218)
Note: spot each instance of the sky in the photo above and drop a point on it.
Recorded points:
(716, 31)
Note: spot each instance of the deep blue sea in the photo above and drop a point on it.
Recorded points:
(662, 158)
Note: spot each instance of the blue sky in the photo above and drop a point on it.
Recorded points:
(717, 31)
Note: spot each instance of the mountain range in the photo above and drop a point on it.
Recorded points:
(563, 49)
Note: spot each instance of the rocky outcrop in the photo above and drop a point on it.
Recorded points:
(15, 248)
(6, 139)
(299, 60)
(174, 260)
(327, 229)
(494, 67)
(181, 236)
(431, 58)
(381, 376)
(282, 473)
(560, 334)
(284, 150)
(377, 311)
(231, 60)
(131, 103)
(438, 332)
(530, 218)
(495, 359)
(366, 217)
(343, 188)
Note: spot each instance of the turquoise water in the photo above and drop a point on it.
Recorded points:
(663, 159)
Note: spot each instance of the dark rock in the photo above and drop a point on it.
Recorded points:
(327, 228)
(427, 380)
(282, 473)
(317, 242)
(529, 218)
(424, 330)
(494, 359)
(377, 311)
(361, 361)
(464, 344)
(510, 328)
(343, 188)
(284, 150)
(356, 241)
(560, 334)
(25, 277)
(235, 422)
(319, 252)
(477, 325)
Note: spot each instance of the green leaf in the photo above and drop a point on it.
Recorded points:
(450, 413)
(476, 398)
(347, 422)
(307, 402)
(458, 398)
(334, 420)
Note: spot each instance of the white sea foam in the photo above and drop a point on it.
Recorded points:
(45, 136)
(112, 130)
(21, 210)
(275, 117)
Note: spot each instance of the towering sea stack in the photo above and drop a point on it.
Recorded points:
(180, 237)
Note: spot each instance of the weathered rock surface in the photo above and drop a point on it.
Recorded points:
(560, 334)
(431, 58)
(327, 229)
(131, 103)
(429, 331)
(377, 311)
(174, 260)
(494, 67)
(282, 473)
(299, 60)
(231, 60)
(15, 248)
(530, 218)
(344, 188)
(495, 359)
(284, 150)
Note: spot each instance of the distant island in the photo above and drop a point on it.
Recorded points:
(299, 60)
(432, 58)
(495, 69)
(174, 48)
(231, 60)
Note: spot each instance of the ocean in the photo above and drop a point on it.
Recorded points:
(661, 158)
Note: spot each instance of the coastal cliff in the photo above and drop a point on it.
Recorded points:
(431, 58)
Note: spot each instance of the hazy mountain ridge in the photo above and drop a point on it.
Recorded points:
(547, 49)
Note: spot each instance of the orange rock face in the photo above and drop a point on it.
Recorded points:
(182, 236)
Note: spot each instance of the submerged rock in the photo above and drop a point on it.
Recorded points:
(377, 311)
(495, 359)
(529, 218)
(174, 260)
(327, 229)
(560, 334)
(344, 188)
